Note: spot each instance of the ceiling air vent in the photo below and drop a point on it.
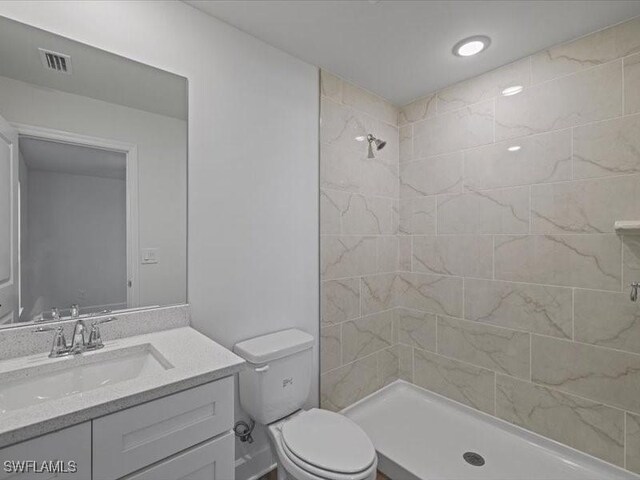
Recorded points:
(55, 61)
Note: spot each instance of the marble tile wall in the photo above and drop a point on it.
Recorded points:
(511, 294)
(359, 221)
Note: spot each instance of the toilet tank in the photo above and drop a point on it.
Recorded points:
(277, 379)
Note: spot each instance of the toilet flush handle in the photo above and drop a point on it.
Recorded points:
(262, 369)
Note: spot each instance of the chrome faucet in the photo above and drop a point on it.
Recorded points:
(59, 345)
(79, 343)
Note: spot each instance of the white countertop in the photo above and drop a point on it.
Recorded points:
(195, 358)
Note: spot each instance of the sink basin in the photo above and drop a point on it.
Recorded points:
(74, 375)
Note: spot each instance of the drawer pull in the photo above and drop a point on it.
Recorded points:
(262, 369)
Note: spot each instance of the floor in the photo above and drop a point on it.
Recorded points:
(272, 476)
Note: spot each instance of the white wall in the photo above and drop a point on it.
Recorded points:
(253, 161)
(78, 241)
(161, 147)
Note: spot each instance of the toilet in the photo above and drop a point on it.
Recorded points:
(309, 444)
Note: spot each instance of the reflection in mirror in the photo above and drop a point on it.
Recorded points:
(93, 178)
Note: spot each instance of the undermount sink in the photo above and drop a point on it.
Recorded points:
(30, 386)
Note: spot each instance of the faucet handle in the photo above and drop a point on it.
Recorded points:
(95, 337)
(104, 320)
(59, 344)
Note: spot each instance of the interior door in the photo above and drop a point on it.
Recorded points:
(9, 280)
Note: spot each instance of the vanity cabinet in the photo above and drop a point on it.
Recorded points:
(183, 436)
(72, 444)
(131, 439)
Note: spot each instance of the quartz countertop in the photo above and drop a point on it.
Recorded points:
(195, 359)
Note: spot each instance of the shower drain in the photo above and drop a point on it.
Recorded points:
(473, 458)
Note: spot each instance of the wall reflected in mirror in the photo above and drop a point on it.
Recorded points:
(93, 180)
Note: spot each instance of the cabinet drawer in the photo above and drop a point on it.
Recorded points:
(70, 444)
(213, 460)
(134, 438)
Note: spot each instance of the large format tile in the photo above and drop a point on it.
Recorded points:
(332, 204)
(632, 450)
(588, 261)
(630, 260)
(483, 87)
(351, 171)
(431, 176)
(468, 384)
(632, 84)
(330, 348)
(541, 159)
(417, 216)
(363, 215)
(405, 362)
(588, 426)
(584, 97)
(347, 256)
(404, 253)
(607, 148)
(487, 211)
(387, 254)
(495, 348)
(366, 335)
(417, 110)
(430, 293)
(369, 103)
(462, 255)
(584, 206)
(340, 125)
(340, 300)
(597, 373)
(378, 293)
(406, 143)
(586, 52)
(341, 387)
(457, 130)
(533, 308)
(608, 319)
(415, 329)
(388, 365)
(330, 86)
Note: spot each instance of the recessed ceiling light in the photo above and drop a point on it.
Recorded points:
(471, 46)
(360, 138)
(514, 90)
(514, 148)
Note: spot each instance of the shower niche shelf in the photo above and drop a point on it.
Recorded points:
(627, 227)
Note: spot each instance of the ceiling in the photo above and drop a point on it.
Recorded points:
(95, 73)
(49, 156)
(401, 50)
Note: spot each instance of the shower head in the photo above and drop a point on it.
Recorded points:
(380, 144)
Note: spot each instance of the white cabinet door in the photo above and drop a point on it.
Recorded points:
(72, 444)
(8, 223)
(212, 460)
(127, 441)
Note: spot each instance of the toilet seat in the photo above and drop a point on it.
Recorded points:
(327, 445)
(316, 472)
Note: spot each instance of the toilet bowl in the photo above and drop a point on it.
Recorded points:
(310, 444)
(322, 445)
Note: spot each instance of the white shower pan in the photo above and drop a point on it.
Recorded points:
(421, 435)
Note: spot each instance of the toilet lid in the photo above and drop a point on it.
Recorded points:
(329, 441)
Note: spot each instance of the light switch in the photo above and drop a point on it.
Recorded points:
(149, 256)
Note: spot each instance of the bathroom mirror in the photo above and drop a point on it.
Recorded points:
(93, 180)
